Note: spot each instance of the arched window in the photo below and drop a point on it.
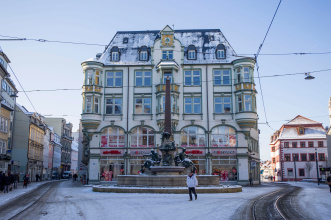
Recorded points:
(223, 136)
(113, 137)
(115, 54)
(191, 52)
(193, 137)
(220, 52)
(142, 137)
(143, 53)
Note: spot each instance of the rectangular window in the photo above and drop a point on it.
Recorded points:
(114, 79)
(286, 144)
(310, 144)
(248, 102)
(172, 104)
(222, 104)
(238, 76)
(294, 144)
(289, 171)
(96, 105)
(192, 78)
(89, 77)
(287, 157)
(302, 144)
(166, 75)
(114, 56)
(295, 157)
(167, 55)
(222, 77)
(301, 172)
(246, 74)
(191, 55)
(192, 105)
(88, 104)
(321, 157)
(113, 106)
(220, 54)
(303, 157)
(143, 55)
(143, 78)
(273, 149)
(143, 106)
(320, 144)
(311, 157)
(273, 160)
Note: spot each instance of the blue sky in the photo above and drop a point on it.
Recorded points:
(300, 26)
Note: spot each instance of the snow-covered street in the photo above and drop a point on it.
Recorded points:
(71, 200)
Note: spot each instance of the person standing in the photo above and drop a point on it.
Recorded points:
(192, 182)
(25, 181)
(329, 181)
(6, 183)
(1, 180)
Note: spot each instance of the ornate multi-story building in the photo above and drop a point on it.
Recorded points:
(299, 150)
(213, 103)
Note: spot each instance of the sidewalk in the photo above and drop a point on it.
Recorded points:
(6, 197)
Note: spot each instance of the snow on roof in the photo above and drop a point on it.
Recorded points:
(310, 133)
(23, 109)
(300, 120)
(205, 41)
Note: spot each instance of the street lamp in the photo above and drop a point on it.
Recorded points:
(308, 76)
(318, 178)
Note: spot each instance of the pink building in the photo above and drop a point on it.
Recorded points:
(295, 148)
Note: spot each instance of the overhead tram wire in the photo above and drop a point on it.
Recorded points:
(22, 88)
(201, 81)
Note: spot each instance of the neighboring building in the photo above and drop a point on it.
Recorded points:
(329, 136)
(56, 152)
(7, 113)
(82, 157)
(74, 156)
(213, 104)
(28, 144)
(46, 174)
(294, 148)
(64, 129)
(267, 172)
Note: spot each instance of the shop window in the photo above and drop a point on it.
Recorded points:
(223, 136)
(112, 137)
(192, 78)
(142, 137)
(193, 137)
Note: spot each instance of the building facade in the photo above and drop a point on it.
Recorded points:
(213, 103)
(299, 150)
(7, 113)
(65, 130)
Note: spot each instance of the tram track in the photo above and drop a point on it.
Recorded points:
(27, 204)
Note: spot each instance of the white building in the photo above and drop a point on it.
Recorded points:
(213, 103)
(74, 155)
(296, 149)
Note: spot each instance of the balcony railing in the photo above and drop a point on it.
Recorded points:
(162, 87)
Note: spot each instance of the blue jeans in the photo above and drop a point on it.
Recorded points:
(6, 189)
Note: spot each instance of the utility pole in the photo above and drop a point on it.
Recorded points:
(318, 178)
(295, 169)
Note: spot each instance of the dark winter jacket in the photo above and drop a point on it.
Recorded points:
(328, 179)
(11, 178)
(6, 181)
(1, 178)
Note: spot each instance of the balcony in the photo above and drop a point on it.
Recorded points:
(92, 88)
(162, 87)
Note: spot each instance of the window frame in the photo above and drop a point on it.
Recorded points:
(296, 155)
(321, 156)
(310, 156)
(113, 78)
(114, 105)
(143, 105)
(302, 144)
(310, 143)
(221, 77)
(187, 134)
(166, 54)
(287, 157)
(320, 143)
(294, 144)
(222, 104)
(303, 159)
(301, 170)
(192, 103)
(286, 144)
(220, 52)
(120, 138)
(137, 135)
(143, 78)
(192, 77)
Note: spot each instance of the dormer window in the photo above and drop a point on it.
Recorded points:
(191, 53)
(115, 54)
(167, 55)
(143, 53)
(301, 130)
(125, 40)
(220, 51)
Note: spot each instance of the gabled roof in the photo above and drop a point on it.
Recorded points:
(300, 120)
(205, 41)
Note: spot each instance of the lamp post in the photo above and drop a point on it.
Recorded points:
(318, 178)
(295, 169)
(281, 168)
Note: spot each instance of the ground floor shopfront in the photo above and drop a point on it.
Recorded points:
(220, 162)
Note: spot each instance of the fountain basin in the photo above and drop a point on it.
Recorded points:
(167, 170)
